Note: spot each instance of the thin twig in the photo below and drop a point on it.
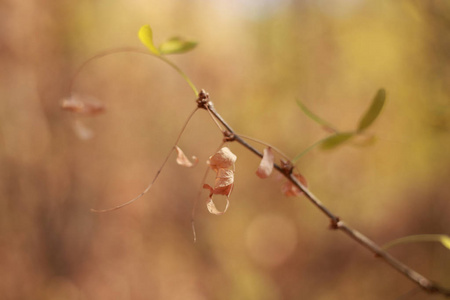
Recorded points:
(215, 121)
(265, 144)
(425, 283)
(157, 173)
(132, 50)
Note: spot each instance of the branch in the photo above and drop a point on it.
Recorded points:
(337, 224)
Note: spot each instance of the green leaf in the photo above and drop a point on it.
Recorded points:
(146, 37)
(336, 140)
(176, 45)
(315, 117)
(441, 238)
(374, 110)
(445, 241)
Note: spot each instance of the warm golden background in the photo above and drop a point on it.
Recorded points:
(255, 58)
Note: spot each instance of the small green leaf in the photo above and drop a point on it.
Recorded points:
(445, 241)
(336, 140)
(176, 45)
(315, 117)
(372, 113)
(442, 238)
(146, 37)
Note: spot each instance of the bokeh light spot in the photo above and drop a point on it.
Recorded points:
(271, 239)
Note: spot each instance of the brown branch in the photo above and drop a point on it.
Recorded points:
(426, 284)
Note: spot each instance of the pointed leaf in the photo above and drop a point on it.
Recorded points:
(374, 110)
(445, 241)
(315, 117)
(442, 238)
(266, 166)
(176, 45)
(146, 37)
(336, 140)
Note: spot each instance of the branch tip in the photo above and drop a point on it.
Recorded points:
(203, 99)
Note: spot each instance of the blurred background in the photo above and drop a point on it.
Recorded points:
(255, 58)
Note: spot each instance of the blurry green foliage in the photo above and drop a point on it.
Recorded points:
(373, 112)
(336, 140)
(339, 138)
(146, 36)
(315, 117)
(171, 46)
(441, 238)
(176, 45)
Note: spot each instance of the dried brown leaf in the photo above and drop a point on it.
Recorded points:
(224, 181)
(266, 166)
(212, 207)
(223, 159)
(221, 162)
(290, 190)
(223, 184)
(84, 107)
(182, 160)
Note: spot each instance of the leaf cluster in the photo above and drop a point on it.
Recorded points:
(340, 137)
(174, 45)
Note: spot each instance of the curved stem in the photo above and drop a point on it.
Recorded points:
(265, 144)
(298, 156)
(215, 120)
(157, 173)
(170, 63)
(133, 50)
